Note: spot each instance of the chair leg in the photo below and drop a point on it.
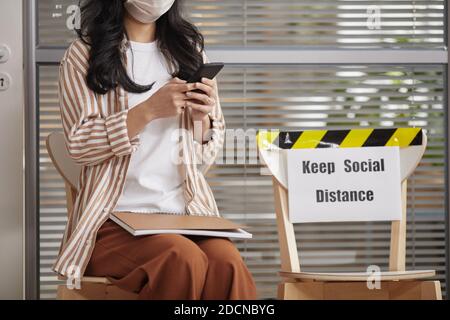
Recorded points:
(431, 290)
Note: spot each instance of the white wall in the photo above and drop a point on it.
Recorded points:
(11, 154)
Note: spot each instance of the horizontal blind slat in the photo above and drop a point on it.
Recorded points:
(339, 23)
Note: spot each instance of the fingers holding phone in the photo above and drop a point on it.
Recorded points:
(204, 101)
(170, 99)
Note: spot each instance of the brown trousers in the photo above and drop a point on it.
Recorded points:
(171, 266)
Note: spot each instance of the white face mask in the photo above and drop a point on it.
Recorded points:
(148, 11)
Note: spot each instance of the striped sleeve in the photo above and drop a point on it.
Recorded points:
(91, 138)
(208, 152)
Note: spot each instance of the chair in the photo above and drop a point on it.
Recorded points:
(397, 283)
(92, 288)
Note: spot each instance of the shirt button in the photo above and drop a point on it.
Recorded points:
(88, 243)
(106, 209)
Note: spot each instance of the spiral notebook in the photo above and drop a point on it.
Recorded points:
(140, 224)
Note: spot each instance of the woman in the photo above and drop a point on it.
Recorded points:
(122, 97)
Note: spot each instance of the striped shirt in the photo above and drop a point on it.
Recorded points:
(96, 136)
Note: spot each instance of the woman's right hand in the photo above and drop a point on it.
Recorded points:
(169, 100)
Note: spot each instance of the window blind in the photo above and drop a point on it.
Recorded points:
(287, 23)
(292, 97)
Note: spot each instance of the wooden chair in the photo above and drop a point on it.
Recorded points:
(92, 288)
(397, 283)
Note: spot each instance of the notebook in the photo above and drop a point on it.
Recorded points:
(140, 224)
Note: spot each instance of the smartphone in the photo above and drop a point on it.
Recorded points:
(207, 70)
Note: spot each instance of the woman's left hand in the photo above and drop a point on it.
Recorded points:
(202, 104)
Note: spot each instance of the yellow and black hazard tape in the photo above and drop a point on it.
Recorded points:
(353, 138)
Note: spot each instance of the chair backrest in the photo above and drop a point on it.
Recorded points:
(412, 143)
(64, 164)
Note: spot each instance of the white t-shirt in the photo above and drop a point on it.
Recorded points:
(153, 182)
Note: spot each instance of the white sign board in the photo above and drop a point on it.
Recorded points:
(344, 184)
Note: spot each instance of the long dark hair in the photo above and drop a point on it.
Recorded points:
(102, 28)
